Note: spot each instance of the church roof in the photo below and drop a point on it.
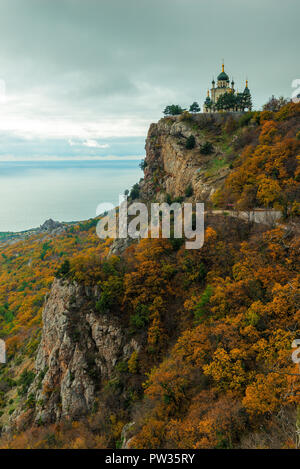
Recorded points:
(246, 90)
(223, 76)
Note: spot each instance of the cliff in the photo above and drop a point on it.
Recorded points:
(77, 354)
(171, 167)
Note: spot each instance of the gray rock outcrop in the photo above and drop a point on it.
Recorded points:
(79, 349)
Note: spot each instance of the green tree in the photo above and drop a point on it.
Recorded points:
(195, 107)
(226, 102)
(112, 290)
(239, 101)
(201, 308)
(135, 192)
(143, 165)
(173, 110)
(247, 101)
(46, 246)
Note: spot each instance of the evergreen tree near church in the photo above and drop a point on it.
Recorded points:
(226, 102)
(194, 107)
(240, 101)
(173, 110)
(235, 102)
(223, 96)
(247, 101)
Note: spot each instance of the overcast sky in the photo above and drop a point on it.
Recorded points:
(85, 78)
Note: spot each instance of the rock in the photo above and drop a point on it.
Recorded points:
(119, 246)
(51, 226)
(124, 435)
(79, 349)
(171, 168)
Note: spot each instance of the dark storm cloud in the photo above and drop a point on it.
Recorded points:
(108, 67)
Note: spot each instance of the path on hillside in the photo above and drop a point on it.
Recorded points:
(263, 216)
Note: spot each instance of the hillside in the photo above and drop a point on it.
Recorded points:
(234, 160)
(155, 346)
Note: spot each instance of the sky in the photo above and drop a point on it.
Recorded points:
(84, 79)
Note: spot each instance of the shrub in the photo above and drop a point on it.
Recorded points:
(275, 104)
(135, 192)
(168, 199)
(176, 243)
(230, 125)
(140, 318)
(46, 246)
(122, 367)
(133, 363)
(64, 270)
(246, 118)
(200, 310)
(111, 291)
(206, 148)
(143, 165)
(6, 314)
(25, 381)
(30, 403)
(190, 142)
(186, 116)
(178, 199)
(85, 226)
(189, 191)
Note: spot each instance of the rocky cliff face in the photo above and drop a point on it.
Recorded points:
(171, 167)
(78, 352)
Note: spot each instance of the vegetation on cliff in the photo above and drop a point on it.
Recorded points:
(215, 326)
(266, 172)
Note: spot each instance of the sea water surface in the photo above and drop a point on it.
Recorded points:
(32, 192)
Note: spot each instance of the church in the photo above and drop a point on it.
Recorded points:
(224, 97)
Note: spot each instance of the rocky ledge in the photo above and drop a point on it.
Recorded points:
(78, 352)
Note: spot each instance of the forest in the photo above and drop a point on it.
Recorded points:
(216, 324)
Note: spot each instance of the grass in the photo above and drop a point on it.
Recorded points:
(214, 165)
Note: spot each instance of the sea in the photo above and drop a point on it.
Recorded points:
(34, 191)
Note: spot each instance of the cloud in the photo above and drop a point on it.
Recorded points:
(88, 143)
(95, 144)
(20, 147)
(96, 70)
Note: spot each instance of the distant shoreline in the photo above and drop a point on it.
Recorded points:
(34, 191)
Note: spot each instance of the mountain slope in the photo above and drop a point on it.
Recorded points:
(157, 346)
